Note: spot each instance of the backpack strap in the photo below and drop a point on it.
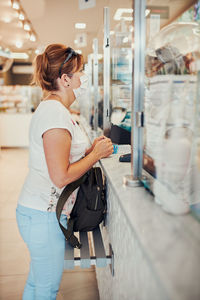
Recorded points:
(69, 232)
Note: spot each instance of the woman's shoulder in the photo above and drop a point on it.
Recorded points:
(51, 114)
(52, 107)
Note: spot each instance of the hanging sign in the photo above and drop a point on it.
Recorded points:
(85, 4)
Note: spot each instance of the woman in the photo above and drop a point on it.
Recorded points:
(58, 156)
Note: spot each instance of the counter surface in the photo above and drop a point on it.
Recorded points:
(171, 244)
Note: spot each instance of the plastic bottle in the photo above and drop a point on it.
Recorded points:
(176, 163)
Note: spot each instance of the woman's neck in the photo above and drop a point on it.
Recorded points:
(58, 97)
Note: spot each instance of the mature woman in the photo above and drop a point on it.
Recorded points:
(58, 156)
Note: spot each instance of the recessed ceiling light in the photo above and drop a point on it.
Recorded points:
(75, 42)
(32, 37)
(21, 16)
(18, 44)
(21, 55)
(27, 27)
(120, 14)
(15, 4)
(80, 25)
(147, 12)
(112, 32)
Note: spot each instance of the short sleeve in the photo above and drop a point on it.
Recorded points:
(54, 115)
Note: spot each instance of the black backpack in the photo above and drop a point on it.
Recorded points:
(90, 207)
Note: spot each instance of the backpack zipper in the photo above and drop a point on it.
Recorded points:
(95, 207)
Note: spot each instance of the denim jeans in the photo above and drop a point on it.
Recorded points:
(46, 243)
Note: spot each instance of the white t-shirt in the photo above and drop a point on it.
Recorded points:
(38, 191)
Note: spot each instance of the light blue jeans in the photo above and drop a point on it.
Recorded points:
(46, 243)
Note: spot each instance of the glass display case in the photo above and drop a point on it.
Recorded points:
(171, 83)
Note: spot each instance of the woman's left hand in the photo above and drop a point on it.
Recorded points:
(99, 138)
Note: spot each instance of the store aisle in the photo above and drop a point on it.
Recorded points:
(14, 257)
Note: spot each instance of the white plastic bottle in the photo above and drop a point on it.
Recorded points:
(176, 156)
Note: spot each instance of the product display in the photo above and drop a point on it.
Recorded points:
(19, 98)
(170, 97)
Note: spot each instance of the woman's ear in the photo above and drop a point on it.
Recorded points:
(65, 80)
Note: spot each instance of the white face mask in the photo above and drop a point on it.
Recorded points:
(82, 89)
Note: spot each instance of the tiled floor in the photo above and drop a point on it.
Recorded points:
(14, 257)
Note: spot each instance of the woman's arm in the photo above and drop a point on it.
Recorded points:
(57, 144)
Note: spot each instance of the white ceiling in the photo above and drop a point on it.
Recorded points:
(54, 20)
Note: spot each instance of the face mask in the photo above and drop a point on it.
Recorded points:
(82, 89)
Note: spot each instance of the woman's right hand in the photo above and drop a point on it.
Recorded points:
(103, 148)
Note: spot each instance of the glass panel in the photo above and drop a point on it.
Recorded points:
(121, 75)
(172, 53)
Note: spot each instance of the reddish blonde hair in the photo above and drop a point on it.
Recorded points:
(47, 65)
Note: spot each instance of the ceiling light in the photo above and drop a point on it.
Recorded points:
(18, 44)
(80, 25)
(27, 27)
(5, 53)
(125, 39)
(119, 14)
(78, 51)
(147, 12)
(7, 19)
(75, 42)
(15, 4)
(21, 16)
(112, 32)
(21, 55)
(32, 37)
